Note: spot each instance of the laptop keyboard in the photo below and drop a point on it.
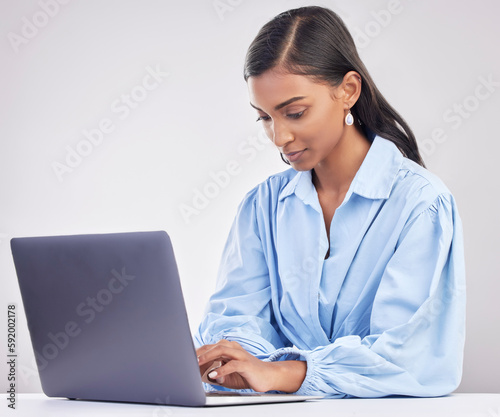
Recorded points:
(235, 394)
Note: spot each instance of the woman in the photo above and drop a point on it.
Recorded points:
(343, 275)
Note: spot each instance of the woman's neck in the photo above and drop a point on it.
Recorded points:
(335, 173)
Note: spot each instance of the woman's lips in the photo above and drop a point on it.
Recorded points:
(294, 156)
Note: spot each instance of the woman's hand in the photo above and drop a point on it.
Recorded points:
(242, 370)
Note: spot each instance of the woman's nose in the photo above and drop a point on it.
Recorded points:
(281, 135)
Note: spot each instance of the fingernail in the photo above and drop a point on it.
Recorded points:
(212, 374)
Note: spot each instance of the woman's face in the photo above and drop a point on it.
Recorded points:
(304, 119)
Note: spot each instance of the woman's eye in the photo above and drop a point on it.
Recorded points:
(295, 115)
(290, 116)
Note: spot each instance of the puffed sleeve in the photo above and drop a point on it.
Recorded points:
(240, 309)
(417, 326)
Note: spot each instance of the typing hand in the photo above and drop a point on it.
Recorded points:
(241, 369)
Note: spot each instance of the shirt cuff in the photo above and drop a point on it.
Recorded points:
(309, 385)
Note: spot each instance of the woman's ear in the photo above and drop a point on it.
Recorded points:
(352, 88)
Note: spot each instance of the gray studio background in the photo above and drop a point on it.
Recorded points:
(66, 71)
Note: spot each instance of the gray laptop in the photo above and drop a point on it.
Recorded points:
(107, 321)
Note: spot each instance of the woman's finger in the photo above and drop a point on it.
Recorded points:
(247, 373)
(229, 368)
(211, 366)
(203, 349)
(222, 351)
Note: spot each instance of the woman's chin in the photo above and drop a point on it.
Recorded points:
(301, 166)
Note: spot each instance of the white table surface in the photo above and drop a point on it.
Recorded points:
(455, 405)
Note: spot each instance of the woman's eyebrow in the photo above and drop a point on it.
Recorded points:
(281, 105)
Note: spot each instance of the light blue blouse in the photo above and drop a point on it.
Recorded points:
(383, 315)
